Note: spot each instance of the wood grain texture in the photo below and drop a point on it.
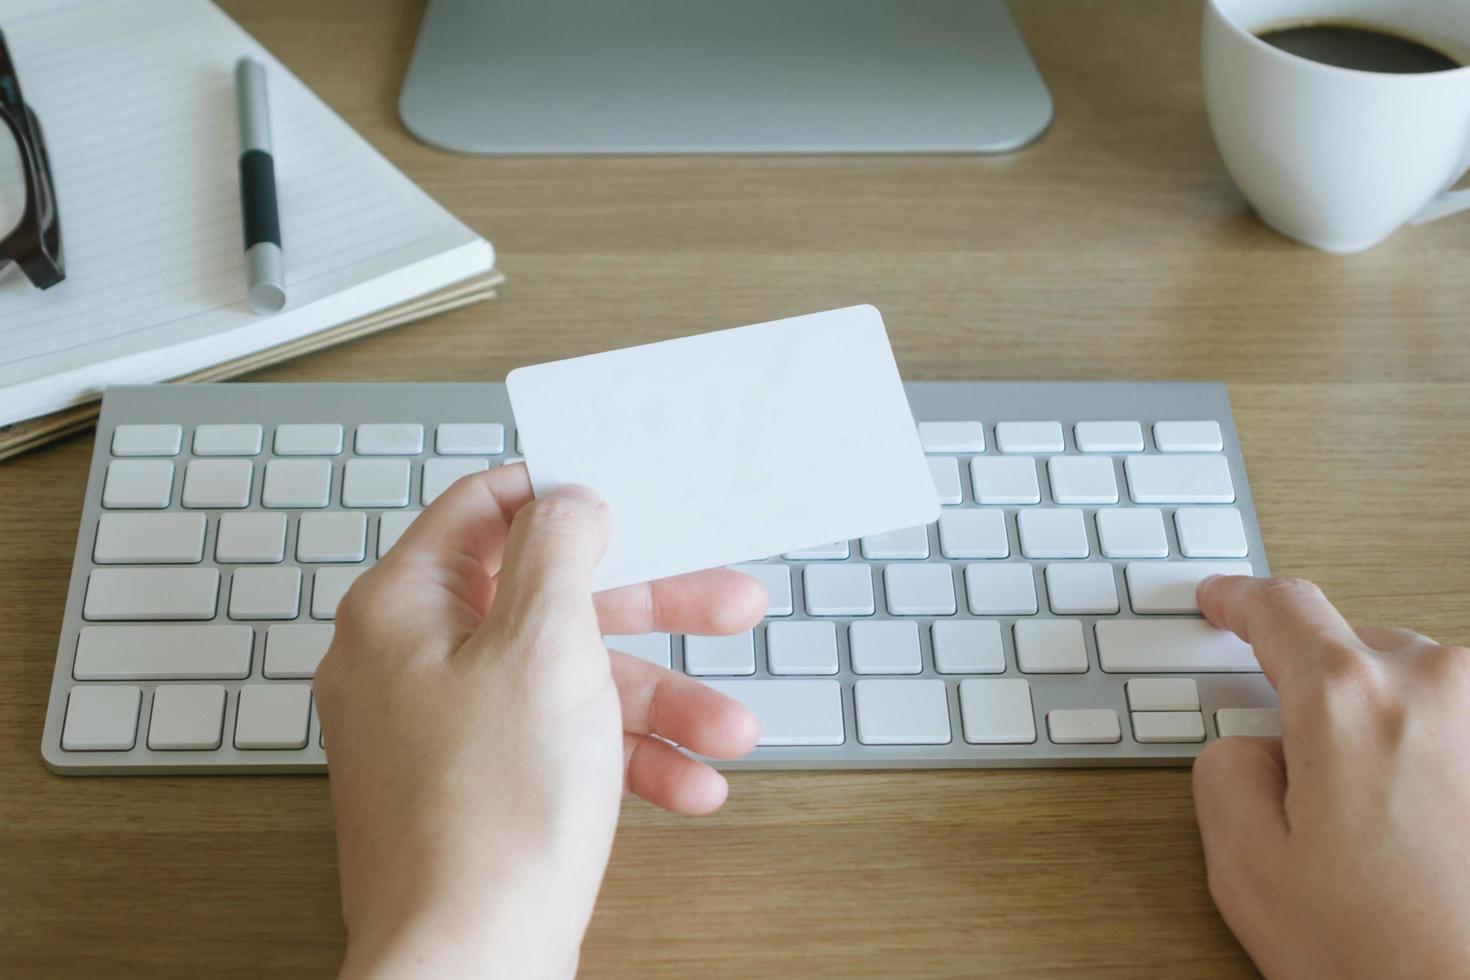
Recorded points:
(1115, 248)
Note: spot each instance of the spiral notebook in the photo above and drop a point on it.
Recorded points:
(136, 101)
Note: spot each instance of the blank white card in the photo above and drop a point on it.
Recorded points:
(731, 446)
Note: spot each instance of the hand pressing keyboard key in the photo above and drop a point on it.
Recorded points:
(1168, 587)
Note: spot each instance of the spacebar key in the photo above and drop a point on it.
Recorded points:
(151, 593)
(791, 712)
(1161, 646)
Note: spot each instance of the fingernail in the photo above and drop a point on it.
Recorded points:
(581, 494)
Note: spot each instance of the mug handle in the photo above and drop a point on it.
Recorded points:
(1443, 205)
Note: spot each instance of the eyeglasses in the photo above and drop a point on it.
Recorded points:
(34, 243)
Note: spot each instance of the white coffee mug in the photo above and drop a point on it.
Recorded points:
(1334, 157)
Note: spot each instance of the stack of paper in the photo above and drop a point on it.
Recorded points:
(137, 104)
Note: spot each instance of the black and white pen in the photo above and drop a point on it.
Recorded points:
(265, 264)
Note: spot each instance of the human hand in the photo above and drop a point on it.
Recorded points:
(479, 735)
(1340, 850)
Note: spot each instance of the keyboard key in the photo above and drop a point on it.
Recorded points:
(945, 470)
(1163, 694)
(911, 543)
(469, 439)
(101, 718)
(294, 650)
(1004, 481)
(272, 716)
(1000, 590)
(391, 525)
(439, 474)
(836, 551)
(901, 712)
(1028, 437)
(1132, 532)
(884, 647)
(297, 483)
(265, 593)
(138, 484)
(974, 533)
(919, 590)
(653, 647)
(791, 712)
(968, 646)
(251, 538)
(334, 536)
(1168, 726)
(1054, 533)
(227, 440)
(1188, 437)
(375, 483)
(151, 593)
(1081, 589)
(838, 590)
(952, 437)
(1082, 480)
(1247, 721)
(147, 440)
(1082, 726)
(777, 580)
(389, 439)
(143, 653)
(1168, 587)
(186, 716)
(1170, 646)
(1210, 532)
(318, 439)
(801, 648)
(720, 655)
(1179, 479)
(217, 483)
(328, 586)
(1050, 646)
(149, 539)
(997, 711)
(1108, 437)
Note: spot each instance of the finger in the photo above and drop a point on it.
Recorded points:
(666, 777)
(471, 518)
(1393, 639)
(1240, 802)
(1288, 622)
(713, 603)
(545, 580)
(657, 701)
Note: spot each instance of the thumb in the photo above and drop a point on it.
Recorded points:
(545, 581)
(1240, 801)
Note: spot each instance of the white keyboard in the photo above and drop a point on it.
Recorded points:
(1047, 618)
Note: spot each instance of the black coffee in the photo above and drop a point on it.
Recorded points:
(1362, 48)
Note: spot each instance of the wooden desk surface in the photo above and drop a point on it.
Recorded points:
(1115, 248)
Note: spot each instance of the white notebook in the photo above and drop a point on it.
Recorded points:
(137, 104)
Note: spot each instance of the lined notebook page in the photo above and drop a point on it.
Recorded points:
(137, 104)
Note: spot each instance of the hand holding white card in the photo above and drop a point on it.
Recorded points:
(731, 446)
